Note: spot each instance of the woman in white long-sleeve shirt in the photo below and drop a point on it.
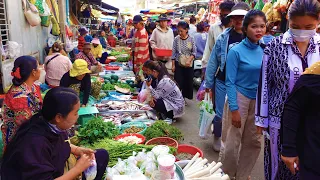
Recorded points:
(166, 95)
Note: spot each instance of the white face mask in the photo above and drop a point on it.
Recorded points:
(302, 35)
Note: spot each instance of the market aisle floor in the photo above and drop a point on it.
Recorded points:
(189, 126)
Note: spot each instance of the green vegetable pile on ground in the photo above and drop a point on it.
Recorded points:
(108, 87)
(115, 53)
(163, 129)
(117, 149)
(123, 58)
(95, 89)
(97, 129)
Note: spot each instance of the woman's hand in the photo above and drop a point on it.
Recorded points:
(236, 119)
(260, 129)
(149, 82)
(86, 151)
(173, 66)
(83, 163)
(152, 102)
(290, 162)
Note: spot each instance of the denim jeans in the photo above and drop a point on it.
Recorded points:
(220, 96)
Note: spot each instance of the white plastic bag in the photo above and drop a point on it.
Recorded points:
(31, 13)
(144, 95)
(14, 49)
(91, 172)
(206, 117)
(69, 45)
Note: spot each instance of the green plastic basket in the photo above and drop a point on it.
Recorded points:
(83, 119)
(136, 124)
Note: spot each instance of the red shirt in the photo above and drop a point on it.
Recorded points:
(141, 48)
(81, 42)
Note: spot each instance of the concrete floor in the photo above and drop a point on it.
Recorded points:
(188, 124)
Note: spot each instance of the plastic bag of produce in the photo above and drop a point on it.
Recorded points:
(148, 167)
(201, 92)
(206, 116)
(144, 95)
(110, 173)
(91, 172)
(141, 157)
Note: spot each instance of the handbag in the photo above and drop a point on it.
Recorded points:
(183, 58)
(31, 13)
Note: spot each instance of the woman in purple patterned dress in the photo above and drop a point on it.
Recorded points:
(285, 59)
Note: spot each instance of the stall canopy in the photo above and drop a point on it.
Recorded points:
(104, 6)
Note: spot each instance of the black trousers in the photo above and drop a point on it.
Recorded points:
(184, 77)
(160, 107)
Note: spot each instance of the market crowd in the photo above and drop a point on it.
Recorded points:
(261, 84)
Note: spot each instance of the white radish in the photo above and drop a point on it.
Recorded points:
(204, 172)
(219, 171)
(189, 173)
(197, 165)
(216, 167)
(191, 162)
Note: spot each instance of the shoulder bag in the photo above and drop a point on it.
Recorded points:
(183, 58)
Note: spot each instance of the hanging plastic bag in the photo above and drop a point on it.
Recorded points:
(14, 49)
(201, 92)
(144, 95)
(69, 45)
(206, 116)
(55, 27)
(31, 13)
(91, 172)
(259, 5)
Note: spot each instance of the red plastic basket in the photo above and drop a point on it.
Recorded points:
(163, 52)
(133, 134)
(184, 148)
(163, 141)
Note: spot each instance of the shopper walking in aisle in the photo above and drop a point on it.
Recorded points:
(40, 149)
(243, 143)
(200, 38)
(183, 53)
(217, 29)
(141, 43)
(78, 78)
(162, 38)
(192, 26)
(285, 58)
(23, 99)
(215, 72)
(166, 95)
(56, 65)
(300, 130)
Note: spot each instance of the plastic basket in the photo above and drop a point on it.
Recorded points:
(184, 148)
(163, 141)
(83, 119)
(136, 124)
(163, 52)
(143, 139)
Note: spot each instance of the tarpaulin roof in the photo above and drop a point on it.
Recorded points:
(105, 7)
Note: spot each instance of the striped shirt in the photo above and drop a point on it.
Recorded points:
(141, 47)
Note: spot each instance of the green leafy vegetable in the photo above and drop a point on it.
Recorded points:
(117, 149)
(97, 129)
(108, 87)
(163, 129)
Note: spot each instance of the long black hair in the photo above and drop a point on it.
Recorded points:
(22, 69)
(249, 17)
(59, 100)
(157, 66)
(304, 8)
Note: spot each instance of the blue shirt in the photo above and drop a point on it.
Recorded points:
(243, 71)
(88, 38)
(267, 38)
(200, 39)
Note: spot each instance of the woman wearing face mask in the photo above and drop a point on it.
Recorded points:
(243, 144)
(40, 149)
(23, 100)
(215, 72)
(285, 58)
(166, 95)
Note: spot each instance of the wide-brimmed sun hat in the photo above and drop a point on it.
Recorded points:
(79, 67)
(163, 17)
(238, 12)
(95, 41)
